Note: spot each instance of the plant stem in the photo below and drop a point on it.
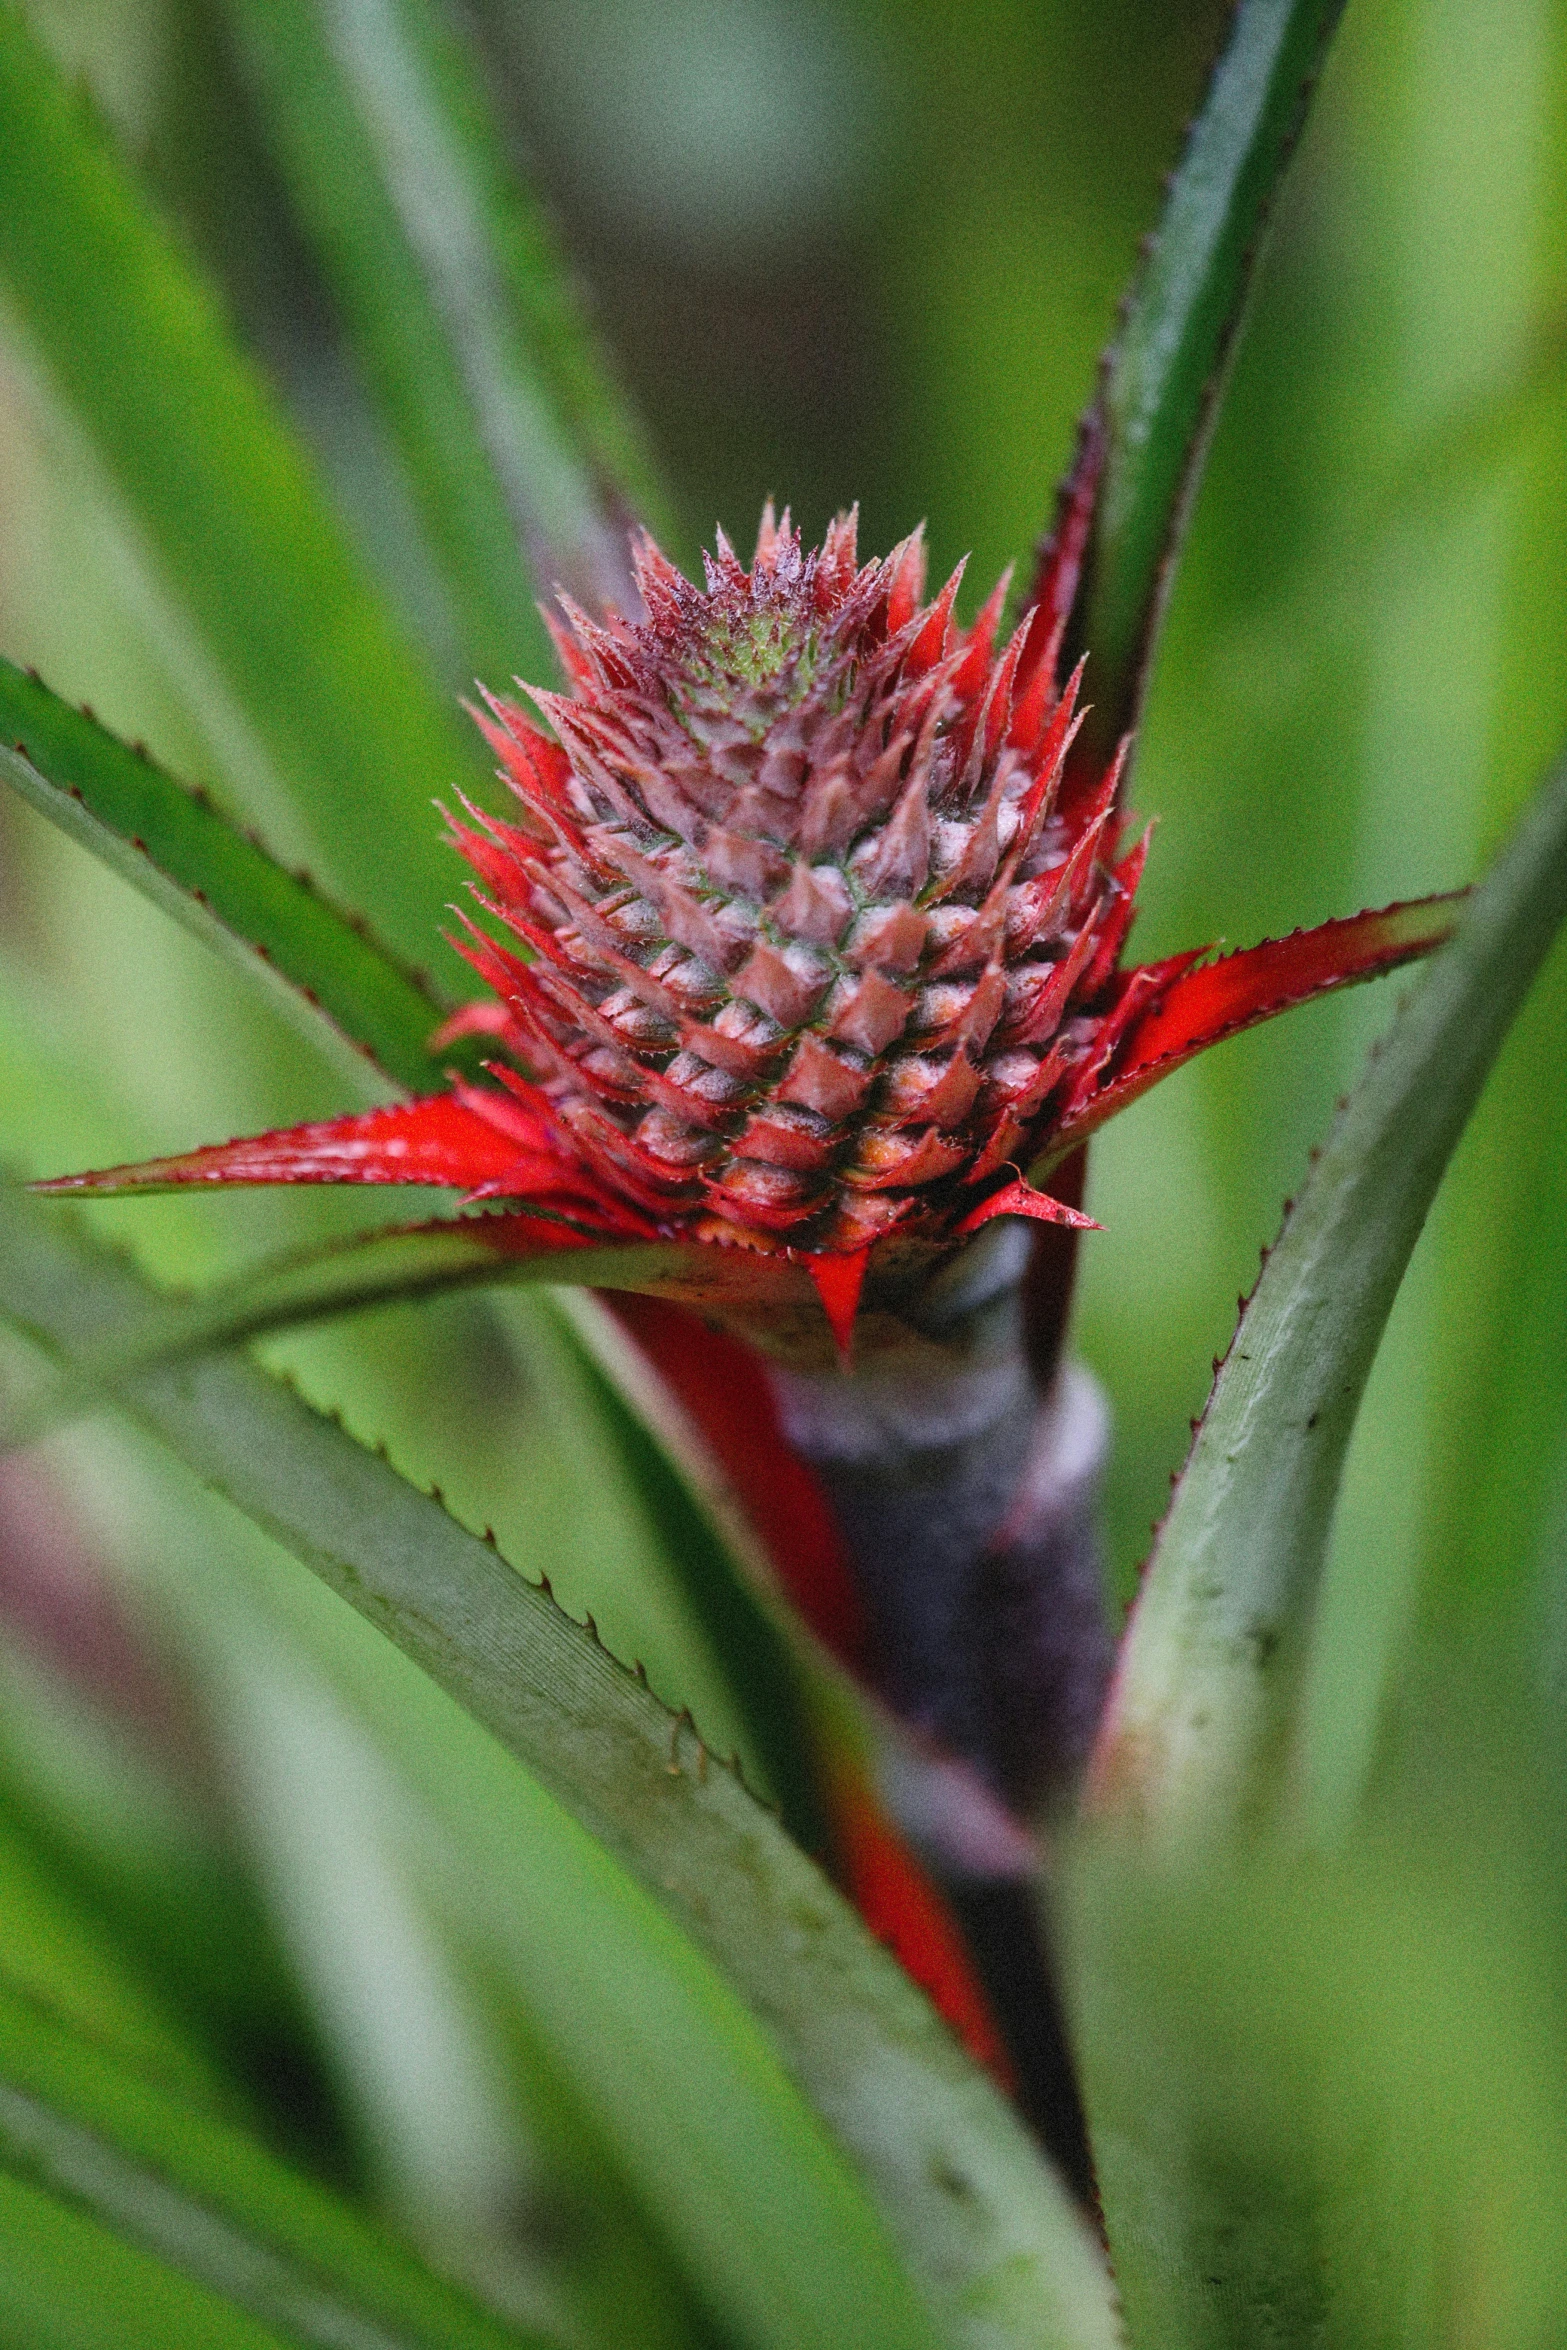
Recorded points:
(966, 1492)
(966, 1487)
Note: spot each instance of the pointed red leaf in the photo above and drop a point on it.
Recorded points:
(1203, 1006)
(480, 1018)
(1021, 1199)
(905, 574)
(839, 1281)
(435, 1140)
(470, 1140)
(969, 680)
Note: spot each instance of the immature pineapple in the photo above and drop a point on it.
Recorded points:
(819, 943)
(815, 938)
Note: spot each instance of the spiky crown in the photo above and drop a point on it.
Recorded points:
(812, 938)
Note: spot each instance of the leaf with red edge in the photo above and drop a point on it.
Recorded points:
(1204, 1004)
(1022, 1199)
(477, 1142)
(1140, 460)
(839, 1281)
(1059, 565)
(905, 1911)
(722, 1384)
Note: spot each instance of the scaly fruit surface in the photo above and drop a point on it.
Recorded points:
(809, 940)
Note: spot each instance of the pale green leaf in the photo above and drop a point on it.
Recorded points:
(209, 2205)
(525, 467)
(294, 658)
(1197, 1736)
(1216, 2223)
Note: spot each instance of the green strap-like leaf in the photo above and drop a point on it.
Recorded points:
(382, 1268)
(181, 852)
(726, 1600)
(295, 662)
(1215, 2236)
(1210, 1673)
(393, 1266)
(514, 442)
(177, 848)
(209, 2203)
(1167, 364)
(997, 2255)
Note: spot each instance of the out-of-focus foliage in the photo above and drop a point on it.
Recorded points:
(862, 248)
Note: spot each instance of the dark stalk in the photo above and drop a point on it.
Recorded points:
(964, 1474)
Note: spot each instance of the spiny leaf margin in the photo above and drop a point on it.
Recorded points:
(176, 846)
(1002, 2259)
(1196, 1784)
(1148, 431)
(1213, 1656)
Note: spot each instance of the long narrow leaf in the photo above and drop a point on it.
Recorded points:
(385, 1267)
(515, 444)
(707, 1510)
(398, 1265)
(293, 658)
(209, 2203)
(1221, 2231)
(328, 975)
(1211, 1666)
(337, 982)
(1167, 365)
(983, 2228)
(725, 1599)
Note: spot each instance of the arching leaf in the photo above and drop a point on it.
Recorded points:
(293, 660)
(1194, 1780)
(147, 2185)
(988, 2250)
(178, 848)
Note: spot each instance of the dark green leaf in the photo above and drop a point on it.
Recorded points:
(179, 850)
(1167, 365)
(982, 2227)
(55, 1945)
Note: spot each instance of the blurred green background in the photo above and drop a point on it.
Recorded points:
(842, 250)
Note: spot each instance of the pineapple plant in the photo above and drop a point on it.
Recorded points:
(1037, 2000)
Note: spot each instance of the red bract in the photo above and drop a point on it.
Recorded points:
(805, 946)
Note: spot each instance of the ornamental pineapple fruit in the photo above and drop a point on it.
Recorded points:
(811, 935)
